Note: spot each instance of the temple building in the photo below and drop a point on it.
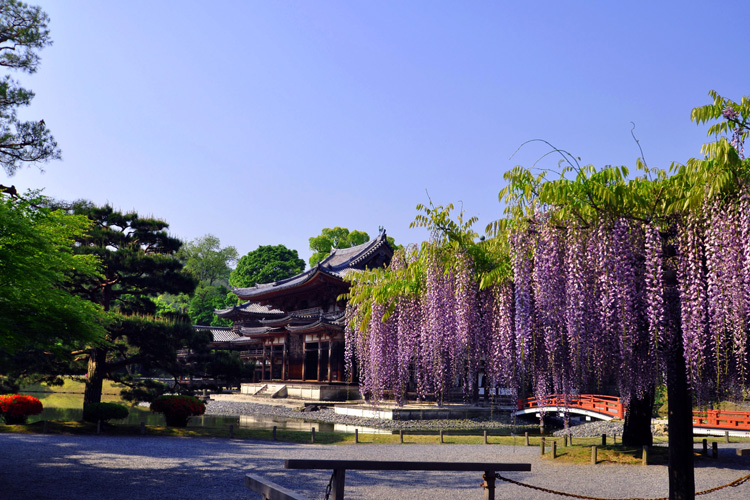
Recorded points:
(293, 329)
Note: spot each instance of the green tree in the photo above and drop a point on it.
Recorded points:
(206, 261)
(265, 264)
(37, 311)
(138, 262)
(337, 237)
(207, 299)
(210, 265)
(23, 31)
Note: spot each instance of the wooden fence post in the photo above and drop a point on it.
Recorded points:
(485, 437)
(356, 436)
(604, 440)
(526, 435)
(554, 449)
(644, 456)
(273, 433)
(715, 449)
(593, 455)
(312, 434)
(705, 447)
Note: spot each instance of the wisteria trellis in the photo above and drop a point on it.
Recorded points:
(585, 302)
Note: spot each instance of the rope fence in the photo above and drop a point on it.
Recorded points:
(733, 484)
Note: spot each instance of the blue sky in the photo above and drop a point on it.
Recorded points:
(264, 122)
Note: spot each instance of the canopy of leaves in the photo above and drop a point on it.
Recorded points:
(583, 194)
(37, 263)
(23, 30)
(266, 264)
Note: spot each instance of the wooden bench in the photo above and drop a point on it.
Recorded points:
(340, 467)
(270, 490)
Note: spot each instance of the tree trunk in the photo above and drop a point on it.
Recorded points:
(94, 376)
(681, 462)
(679, 399)
(637, 429)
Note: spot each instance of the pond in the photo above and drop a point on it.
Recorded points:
(66, 405)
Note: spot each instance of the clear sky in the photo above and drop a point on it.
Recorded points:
(263, 122)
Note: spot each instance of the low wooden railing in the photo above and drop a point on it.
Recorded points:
(608, 405)
(340, 467)
(721, 419)
(270, 490)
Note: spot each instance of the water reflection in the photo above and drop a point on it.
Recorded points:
(70, 410)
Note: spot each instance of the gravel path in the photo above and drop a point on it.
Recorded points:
(57, 467)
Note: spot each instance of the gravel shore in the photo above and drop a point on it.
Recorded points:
(58, 467)
(500, 420)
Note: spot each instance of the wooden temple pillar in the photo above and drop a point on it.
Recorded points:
(284, 359)
(270, 367)
(330, 359)
(304, 359)
(320, 359)
(263, 365)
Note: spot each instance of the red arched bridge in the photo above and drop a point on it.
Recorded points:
(589, 405)
(611, 407)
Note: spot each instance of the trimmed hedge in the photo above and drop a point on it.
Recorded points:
(104, 411)
(178, 409)
(16, 408)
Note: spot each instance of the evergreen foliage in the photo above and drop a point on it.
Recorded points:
(138, 263)
(23, 31)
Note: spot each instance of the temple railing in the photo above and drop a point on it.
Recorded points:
(721, 419)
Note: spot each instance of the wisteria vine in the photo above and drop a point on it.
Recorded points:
(585, 308)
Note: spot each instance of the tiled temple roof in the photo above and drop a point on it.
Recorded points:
(251, 308)
(219, 333)
(337, 264)
(330, 322)
(259, 330)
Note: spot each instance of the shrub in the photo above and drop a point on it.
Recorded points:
(94, 412)
(15, 408)
(178, 409)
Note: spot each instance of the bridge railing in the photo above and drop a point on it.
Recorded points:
(721, 419)
(608, 405)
